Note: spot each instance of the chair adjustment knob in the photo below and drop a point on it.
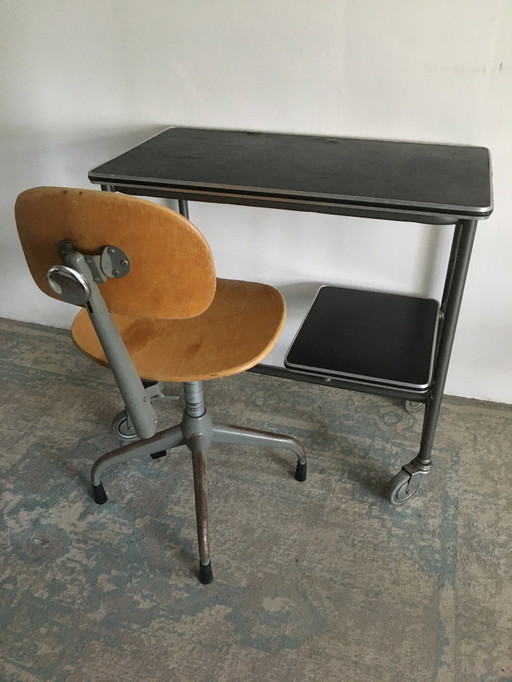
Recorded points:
(69, 285)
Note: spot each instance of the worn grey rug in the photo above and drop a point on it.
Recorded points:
(313, 582)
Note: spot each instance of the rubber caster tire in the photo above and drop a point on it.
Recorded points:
(402, 487)
(412, 406)
(121, 429)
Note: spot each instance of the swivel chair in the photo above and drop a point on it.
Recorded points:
(153, 311)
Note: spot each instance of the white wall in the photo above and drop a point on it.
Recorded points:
(81, 82)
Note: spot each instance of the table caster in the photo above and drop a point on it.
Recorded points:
(122, 428)
(412, 406)
(402, 487)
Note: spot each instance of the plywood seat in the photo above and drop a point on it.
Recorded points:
(235, 332)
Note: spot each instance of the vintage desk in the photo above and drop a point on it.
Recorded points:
(389, 344)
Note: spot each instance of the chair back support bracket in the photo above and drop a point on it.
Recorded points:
(135, 396)
(111, 262)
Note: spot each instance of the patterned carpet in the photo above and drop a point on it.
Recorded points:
(313, 582)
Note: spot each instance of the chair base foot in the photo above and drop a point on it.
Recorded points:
(157, 455)
(205, 573)
(99, 494)
(301, 472)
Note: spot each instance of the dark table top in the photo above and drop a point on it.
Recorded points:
(420, 182)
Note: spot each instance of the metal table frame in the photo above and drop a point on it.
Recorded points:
(139, 171)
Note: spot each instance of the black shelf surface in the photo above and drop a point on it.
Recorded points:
(348, 176)
(368, 337)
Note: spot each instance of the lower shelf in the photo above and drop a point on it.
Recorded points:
(368, 337)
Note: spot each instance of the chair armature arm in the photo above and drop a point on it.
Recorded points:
(136, 400)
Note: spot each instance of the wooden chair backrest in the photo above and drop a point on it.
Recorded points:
(172, 271)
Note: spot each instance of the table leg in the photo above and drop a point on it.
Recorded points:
(183, 207)
(408, 481)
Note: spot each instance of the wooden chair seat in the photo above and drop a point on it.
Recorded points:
(238, 329)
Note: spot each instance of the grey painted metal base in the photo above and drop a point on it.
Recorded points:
(197, 431)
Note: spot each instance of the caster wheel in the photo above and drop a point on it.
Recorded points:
(412, 406)
(121, 429)
(402, 487)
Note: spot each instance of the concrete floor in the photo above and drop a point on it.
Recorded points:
(318, 581)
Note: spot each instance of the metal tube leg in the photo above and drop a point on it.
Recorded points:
(453, 303)
(183, 207)
(239, 435)
(165, 440)
(408, 481)
(452, 261)
(199, 469)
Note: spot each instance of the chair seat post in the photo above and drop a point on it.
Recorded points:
(194, 398)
